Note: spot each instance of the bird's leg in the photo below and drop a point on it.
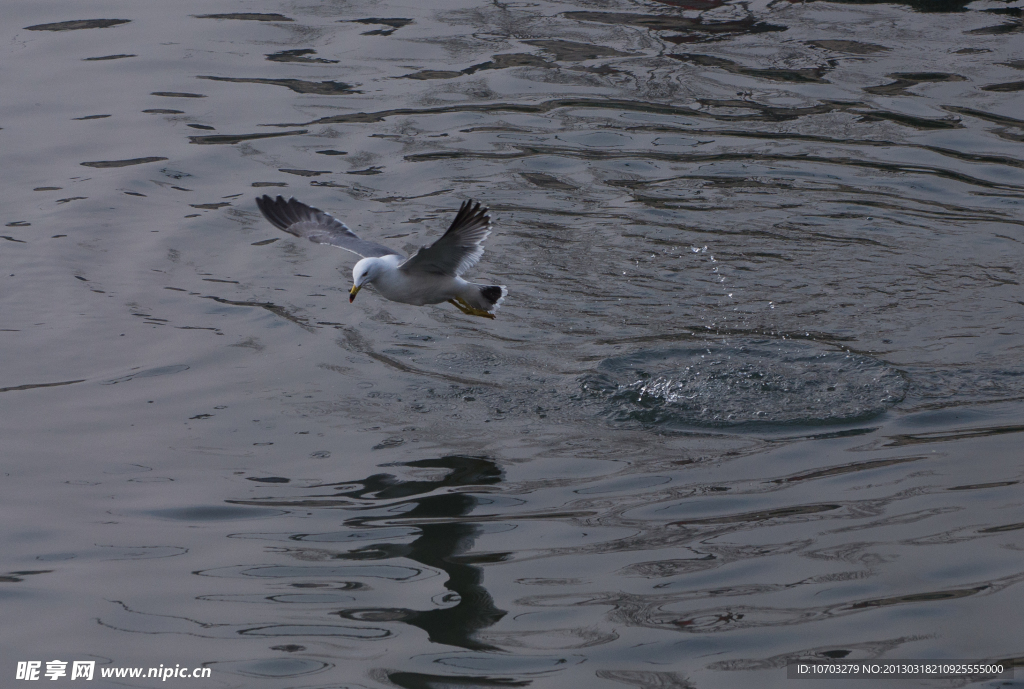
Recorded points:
(459, 306)
(465, 308)
(473, 311)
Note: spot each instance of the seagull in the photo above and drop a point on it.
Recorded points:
(430, 276)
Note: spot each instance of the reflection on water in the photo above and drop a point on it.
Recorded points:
(756, 395)
(442, 544)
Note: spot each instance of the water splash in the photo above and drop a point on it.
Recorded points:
(745, 382)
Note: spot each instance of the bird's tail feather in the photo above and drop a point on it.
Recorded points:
(487, 297)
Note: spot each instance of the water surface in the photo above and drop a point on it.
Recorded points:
(753, 397)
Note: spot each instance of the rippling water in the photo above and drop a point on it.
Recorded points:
(753, 396)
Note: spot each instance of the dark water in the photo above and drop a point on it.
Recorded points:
(754, 395)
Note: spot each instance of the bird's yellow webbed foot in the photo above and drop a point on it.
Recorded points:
(465, 308)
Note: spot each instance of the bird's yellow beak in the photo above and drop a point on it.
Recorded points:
(353, 292)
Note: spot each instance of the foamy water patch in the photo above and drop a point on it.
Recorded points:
(745, 382)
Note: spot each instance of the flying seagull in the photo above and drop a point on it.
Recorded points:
(430, 276)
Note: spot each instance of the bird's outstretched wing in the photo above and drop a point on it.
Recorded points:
(295, 217)
(458, 249)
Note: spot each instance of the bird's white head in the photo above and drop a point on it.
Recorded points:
(366, 270)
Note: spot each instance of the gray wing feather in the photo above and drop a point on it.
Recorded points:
(459, 248)
(295, 217)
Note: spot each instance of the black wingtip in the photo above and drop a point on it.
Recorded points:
(471, 212)
(283, 214)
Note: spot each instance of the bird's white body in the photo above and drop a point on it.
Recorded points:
(397, 285)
